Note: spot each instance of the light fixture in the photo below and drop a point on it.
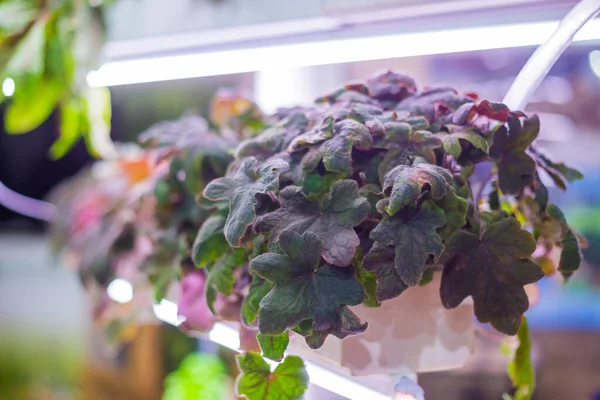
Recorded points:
(328, 52)
(8, 87)
(120, 291)
(595, 62)
(167, 311)
(228, 336)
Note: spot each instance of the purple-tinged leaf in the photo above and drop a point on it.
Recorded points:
(492, 268)
(303, 289)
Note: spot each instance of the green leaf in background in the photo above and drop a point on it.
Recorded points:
(220, 276)
(303, 289)
(273, 347)
(570, 256)
(520, 369)
(199, 377)
(28, 110)
(99, 112)
(14, 16)
(72, 114)
(288, 381)
(28, 57)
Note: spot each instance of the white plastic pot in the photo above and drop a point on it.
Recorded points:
(411, 333)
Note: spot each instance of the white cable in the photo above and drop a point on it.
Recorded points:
(27, 206)
(545, 56)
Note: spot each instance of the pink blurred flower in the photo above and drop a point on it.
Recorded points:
(192, 303)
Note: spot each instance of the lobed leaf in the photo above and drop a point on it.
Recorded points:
(493, 269)
(259, 288)
(288, 381)
(516, 168)
(332, 144)
(332, 219)
(347, 324)
(413, 233)
(404, 184)
(273, 347)
(380, 260)
(451, 141)
(303, 289)
(210, 243)
(240, 191)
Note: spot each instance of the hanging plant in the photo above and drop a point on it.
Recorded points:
(385, 171)
(355, 200)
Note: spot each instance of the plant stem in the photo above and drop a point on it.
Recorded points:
(479, 193)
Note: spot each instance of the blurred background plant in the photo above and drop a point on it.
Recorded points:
(46, 49)
(199, 376)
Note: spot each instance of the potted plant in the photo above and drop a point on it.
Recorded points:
(361, 209)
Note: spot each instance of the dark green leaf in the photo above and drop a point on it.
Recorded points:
(210, 244)
(455, 208)
(259, 288)
(275, 139)
(402, 135)
(404, 184)
(452, 140)
(516, 168)
(557, 229)
(367, 279)
(347, 324)
(220, 276)
(318, 185)
(333, 145)
(288, 381)
(273, 347)
(413, 233)
(380, 260)
(492, 269)
(240, 190)
(303, 289)
(332, 220)
(373, 117)
(427, 277)
(559, 172)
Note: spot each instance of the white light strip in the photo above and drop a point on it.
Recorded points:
(228, 336)
(328, 52)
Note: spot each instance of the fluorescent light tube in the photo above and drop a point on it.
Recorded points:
(328, 52)
(227, 336)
